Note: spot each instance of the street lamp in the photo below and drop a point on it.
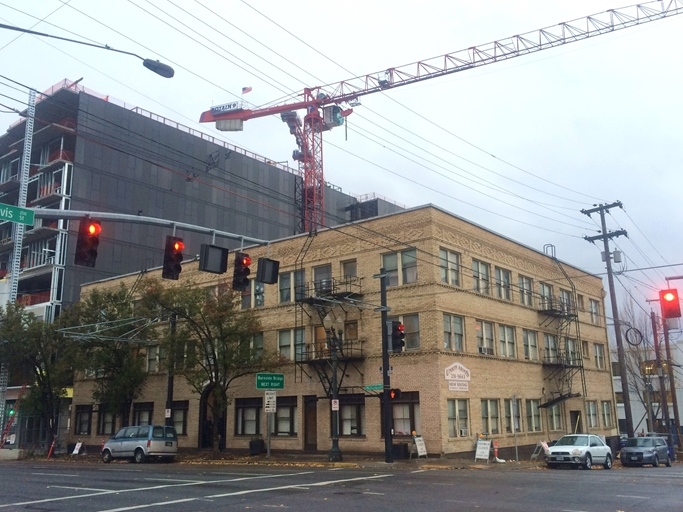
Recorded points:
(153, 65)
(334, 329)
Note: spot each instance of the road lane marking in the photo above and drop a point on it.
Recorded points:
(53, 474)
(76, 488)
(172, 480)
(161, 504)
(420, 471)
(634, 497)
(293, 486)
(375, 493)
(121, 470)
(243, 492)
(104, 493)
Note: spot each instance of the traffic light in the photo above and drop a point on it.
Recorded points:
(668, 300)
(398, 335)
(86, 245)
(240, 277)
(173, 257)
(394, 394)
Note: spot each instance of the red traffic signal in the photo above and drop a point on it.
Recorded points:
(173, 257)
(240, 276)
(87, 242)
(398, 335)
(671, 306)
(394, 394)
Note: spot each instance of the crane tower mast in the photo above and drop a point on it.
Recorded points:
(326, 106)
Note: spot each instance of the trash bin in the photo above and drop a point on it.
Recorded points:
(400, 451)
(256, 446)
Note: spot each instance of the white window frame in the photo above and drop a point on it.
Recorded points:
(533, 415)
(485, 342)
(295, 346)
(573, 354)
(555, 417)
(490, 416)
(153, 352)
(526, 290)
(566, 301)
(551, 350)
(453, 332)
(607, 421)
(599, 350)
(254, 296)
(457, 413)
(449, 263)
(530, 344)
(506, 339)
(291, 285)
(406, 262)
(592, 414)
(481, 277)
(503, 283)
(594, 309)
(512, 413)
(546, 294)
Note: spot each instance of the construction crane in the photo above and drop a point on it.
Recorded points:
(326, 106)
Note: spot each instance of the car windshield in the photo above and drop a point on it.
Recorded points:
(572, 441)
(641, 442)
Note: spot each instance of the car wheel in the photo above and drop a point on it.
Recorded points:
(106, 456)
(608, 462)
(655, 461)
(139, 456)
(668, 461)
(589, 462)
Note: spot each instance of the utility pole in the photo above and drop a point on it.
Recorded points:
(605, 237)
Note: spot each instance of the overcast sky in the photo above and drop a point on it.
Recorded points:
(519, 147)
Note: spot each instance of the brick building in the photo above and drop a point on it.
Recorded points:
(501, 340)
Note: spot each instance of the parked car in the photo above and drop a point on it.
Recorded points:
(140, 442)
(579, 450)
(645, 450)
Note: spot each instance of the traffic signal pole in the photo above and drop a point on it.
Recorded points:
(672, 386)
(386, 376)
(663, 399)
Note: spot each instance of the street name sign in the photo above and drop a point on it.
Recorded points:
(374, 387)
(270, 381)
(16, 214)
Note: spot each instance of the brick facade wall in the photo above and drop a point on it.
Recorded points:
(421, 371)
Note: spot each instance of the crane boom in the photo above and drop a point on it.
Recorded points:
(309, 138)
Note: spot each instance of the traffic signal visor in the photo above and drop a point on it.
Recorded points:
(670, 304)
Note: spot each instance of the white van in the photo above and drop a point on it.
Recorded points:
(140, 442)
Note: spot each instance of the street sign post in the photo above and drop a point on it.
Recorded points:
(16, 214)
(270, 381)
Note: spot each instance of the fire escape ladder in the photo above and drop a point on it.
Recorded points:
(301, 314)
(568, 362)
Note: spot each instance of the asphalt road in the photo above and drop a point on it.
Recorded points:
(61, 486)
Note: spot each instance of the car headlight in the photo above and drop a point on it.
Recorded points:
(576, 451)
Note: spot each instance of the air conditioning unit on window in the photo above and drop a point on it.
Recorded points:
(464, 432)
(486, 350)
